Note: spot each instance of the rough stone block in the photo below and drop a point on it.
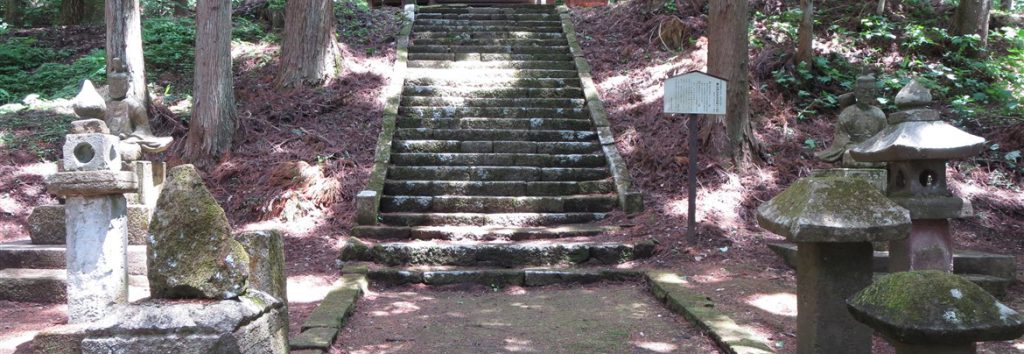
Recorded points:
(335, 309)
(489, 277)
(97, 273)
(476, 147)
(367, 207)
(266, 261)
(91, 152)
(35, 285)
(315, 338)
(46, 225)
(395, 276)
(91, 183)
(89, 126)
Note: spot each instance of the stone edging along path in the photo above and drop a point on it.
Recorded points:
(322, 326)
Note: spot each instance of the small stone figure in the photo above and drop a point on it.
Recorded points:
(125, 116)
(857, 123)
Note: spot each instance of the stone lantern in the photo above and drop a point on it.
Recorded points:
(916, 145)
(96, 217)
(934, 312)
(833, 220)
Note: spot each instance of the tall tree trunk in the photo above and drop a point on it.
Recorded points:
(1006, 5)
(971, 17)
(728, 42)
(77, 12)
(214, 119)
(12, 14)
(804, 48)
(180, 8)
(309, 49)
(880, 10)
(124, 41)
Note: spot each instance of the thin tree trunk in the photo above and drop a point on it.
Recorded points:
(12, 14)
(124, 41)
(1006, 5)
(728, 41)
(214, 118)
(880, 10)
(309, 49)
(805, 49)
(180, 8)
(972, 17)
(72, 12)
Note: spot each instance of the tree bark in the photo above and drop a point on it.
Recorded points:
(12, 14)
(971, 17)
(214, 118)
(805, 49)
(309, 49)
(77, 12)
(1006, 5)
(180, 8)
(124, 41)
(728, 42)
(880, 10)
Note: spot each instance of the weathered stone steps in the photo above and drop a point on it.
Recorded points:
(508, 49)
(505, 220)
(498, 159)
(503, 34)
(442, 91)
(492, 64)
(498, 188)
(527, 147)
(495, 123)
(509, 255)
(493, 83)
(479, 16)
(48, 285)
(506, 10)
(478, 233)
(496, 173)
(489, 56)
(495, 112)
(24, 254)
(487, 28)
(494, 134)
(498, 204)
(492, 42)
(551, 25)
(454, 101)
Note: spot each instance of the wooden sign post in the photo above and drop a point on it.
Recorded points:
(694, 93)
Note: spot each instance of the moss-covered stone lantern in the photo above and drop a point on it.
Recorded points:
(934, 312)
(916, 145)
(834, 220)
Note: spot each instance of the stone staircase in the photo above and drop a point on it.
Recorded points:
(495, 140)
(37, 272)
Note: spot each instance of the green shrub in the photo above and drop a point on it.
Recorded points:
(26, 69)
(168, 45)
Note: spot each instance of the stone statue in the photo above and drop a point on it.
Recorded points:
(857, 122)
(125, 116)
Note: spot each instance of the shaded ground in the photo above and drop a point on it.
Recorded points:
(604, 318)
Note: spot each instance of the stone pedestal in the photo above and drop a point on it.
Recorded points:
(929, 246)
(829, 273)
(97, 255)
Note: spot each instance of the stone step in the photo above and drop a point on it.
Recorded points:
(485, 28)
(442, 91)
(478, 233)
(490, 204)
(492, 42)
(491, 112)
(528, 147)
(493, 64)
(504, 10)
(490, 219)
(501, 254)
(24, 254)
(489, 56)
(498, 188)
(553, 24)
(494, 134)
(50, 285)
(505, 34)
(496, 123)
(494, 77)
(496, 173)
(455, 101)
(509, 49)
(494, 83)
(498, 159)
(497, 17)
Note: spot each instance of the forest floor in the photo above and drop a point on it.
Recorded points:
(301, 156)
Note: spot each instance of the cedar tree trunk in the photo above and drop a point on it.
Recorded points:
(124, 41)
(76, 12)
(804, 48)
(728, 42)
(971, 17)
(213, 119)
(309, 49)
(1006, 5)
(12, 14)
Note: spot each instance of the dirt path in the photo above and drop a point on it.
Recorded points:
(605, 318)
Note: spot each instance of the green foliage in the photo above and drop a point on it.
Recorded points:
(168, 45)
(163, 8)
(26, 69)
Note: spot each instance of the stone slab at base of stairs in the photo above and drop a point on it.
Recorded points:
(509, 255)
